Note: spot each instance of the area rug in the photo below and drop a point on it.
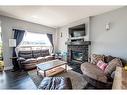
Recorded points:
(77, 79)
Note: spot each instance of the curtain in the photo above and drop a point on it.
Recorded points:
(50, 37)
(18, 35)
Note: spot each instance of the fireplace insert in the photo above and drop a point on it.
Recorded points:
(76, 55)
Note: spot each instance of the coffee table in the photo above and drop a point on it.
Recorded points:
(51, 68)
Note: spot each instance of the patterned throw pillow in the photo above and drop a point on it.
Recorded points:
(112, 66)
(102, 65)
(95, 58)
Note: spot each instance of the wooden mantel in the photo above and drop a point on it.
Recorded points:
(82, 43)
(120, 79)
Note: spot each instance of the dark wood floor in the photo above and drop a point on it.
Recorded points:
(16, 80)
(19, 81)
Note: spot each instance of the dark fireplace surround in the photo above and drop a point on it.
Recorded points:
(78, 50)
(77, 54)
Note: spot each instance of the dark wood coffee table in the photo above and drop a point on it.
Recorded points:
(51, 68)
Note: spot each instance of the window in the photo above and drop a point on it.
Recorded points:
(35, 41)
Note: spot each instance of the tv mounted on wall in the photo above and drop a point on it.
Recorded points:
(77, 31)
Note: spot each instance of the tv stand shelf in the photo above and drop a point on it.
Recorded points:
(83, 43)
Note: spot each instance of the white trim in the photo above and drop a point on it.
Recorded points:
(8, 68)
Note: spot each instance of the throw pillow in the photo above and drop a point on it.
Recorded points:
(112, 66)
(102, 65)
(95, 58)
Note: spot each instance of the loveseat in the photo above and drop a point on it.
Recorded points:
(98, 77)
(28, 59)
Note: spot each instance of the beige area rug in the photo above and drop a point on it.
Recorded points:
(77, 79)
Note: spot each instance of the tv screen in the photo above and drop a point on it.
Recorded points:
(78, 33)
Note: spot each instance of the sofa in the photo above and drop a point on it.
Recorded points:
(28, 59)
(100, 78)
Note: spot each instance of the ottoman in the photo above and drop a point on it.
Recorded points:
(55, 83)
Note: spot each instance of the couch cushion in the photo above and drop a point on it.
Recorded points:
(109, 58)
(28, 61)
(36, 53)
(102, 65)
(112, 66)
(95, 58)
(49, 58)
(45, 52)
(41, 59)
(25, 54)
(93, 71)
(29, 66)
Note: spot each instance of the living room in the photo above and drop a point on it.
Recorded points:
(35, 48)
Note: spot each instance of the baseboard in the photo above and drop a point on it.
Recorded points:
(8, 68)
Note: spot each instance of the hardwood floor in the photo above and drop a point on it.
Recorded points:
(16, 80)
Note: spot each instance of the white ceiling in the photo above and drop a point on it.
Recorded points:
(53, 16)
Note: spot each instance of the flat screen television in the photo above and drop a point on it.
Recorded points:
(77, 31)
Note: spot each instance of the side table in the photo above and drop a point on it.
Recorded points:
(15, 63)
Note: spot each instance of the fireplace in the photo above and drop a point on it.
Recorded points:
(76, 55)
(77, 46)
(78, 52)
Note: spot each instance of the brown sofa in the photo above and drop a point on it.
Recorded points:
(29, 59)
(97, 77)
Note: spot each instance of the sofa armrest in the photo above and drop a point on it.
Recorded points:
(98, 84)
(52, 54)
(21, 59)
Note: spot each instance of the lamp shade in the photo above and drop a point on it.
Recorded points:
(12, 42)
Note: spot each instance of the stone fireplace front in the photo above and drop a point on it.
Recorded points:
(77, 54)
